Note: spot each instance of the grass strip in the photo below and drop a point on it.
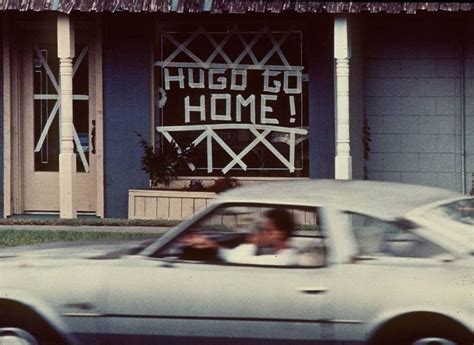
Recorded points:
(10, 238)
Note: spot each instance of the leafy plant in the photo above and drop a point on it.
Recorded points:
(224, 183)
(162, 167)
(196, 185)
(219, 185)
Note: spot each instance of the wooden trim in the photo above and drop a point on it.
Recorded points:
(131, 205)
(99, 106)
(166, 204)
(68, 202)
(342, 55)
(171, 193)
(16, 127)
(12, 118)
(243, 178)
(153, 132)
(183, 181)
(7, 156)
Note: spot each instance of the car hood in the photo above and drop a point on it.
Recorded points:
(90, 249)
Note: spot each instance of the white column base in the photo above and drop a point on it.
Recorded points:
(67, 171)
(343, 168)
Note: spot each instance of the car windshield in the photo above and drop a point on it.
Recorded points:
(460, 211)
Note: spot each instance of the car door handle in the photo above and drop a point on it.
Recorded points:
(313, 290)
(363, 258)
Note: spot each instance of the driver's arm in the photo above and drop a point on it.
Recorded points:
(199, 241)
(239, 254)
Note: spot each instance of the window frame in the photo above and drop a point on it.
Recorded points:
(402, 224)
(187, 226)
(253, 172)
(437, 211)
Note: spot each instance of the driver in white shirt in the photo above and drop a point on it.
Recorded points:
(268, 246)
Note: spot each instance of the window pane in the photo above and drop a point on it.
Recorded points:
(47, 109)
(379, 238)
(46, 119)
(81, 106)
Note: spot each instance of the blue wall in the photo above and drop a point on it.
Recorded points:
(127, 64)
(2, 211)
(319, 39)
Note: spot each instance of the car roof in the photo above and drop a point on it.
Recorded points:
(387, 200)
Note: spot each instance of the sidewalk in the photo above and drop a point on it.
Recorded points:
(89, 228)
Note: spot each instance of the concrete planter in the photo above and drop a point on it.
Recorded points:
(165, 204)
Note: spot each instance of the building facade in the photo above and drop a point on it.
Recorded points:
(258, 90)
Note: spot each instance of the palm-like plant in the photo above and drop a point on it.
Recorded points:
(162, 166)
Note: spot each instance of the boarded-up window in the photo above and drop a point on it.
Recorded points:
(237, 93)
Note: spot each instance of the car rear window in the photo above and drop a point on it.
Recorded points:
(378, 238)
(460, 211)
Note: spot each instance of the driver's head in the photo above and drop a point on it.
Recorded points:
(277, 223)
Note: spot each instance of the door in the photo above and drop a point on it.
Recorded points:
(39, 120)
(153, 303)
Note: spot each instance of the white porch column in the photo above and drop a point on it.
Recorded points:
(342, 55)
(67, 157)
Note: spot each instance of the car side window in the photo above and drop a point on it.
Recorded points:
(253, 234)
(461, 211)
(376, 237)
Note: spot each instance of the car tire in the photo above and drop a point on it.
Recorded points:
(16, 336)
(19, 334)
(424, 337)
(21, 323)
(423, 328)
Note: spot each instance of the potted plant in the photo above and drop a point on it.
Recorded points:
(162, 167)
(163, 202)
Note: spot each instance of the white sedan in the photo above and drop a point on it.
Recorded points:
(376, 263)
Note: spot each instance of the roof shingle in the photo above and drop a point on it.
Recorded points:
(231, 6)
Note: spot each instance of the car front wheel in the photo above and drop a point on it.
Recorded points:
(424, 338)
(422, 329)
(16, 336)
(433, 341)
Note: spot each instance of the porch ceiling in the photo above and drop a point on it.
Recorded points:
(231, 6)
